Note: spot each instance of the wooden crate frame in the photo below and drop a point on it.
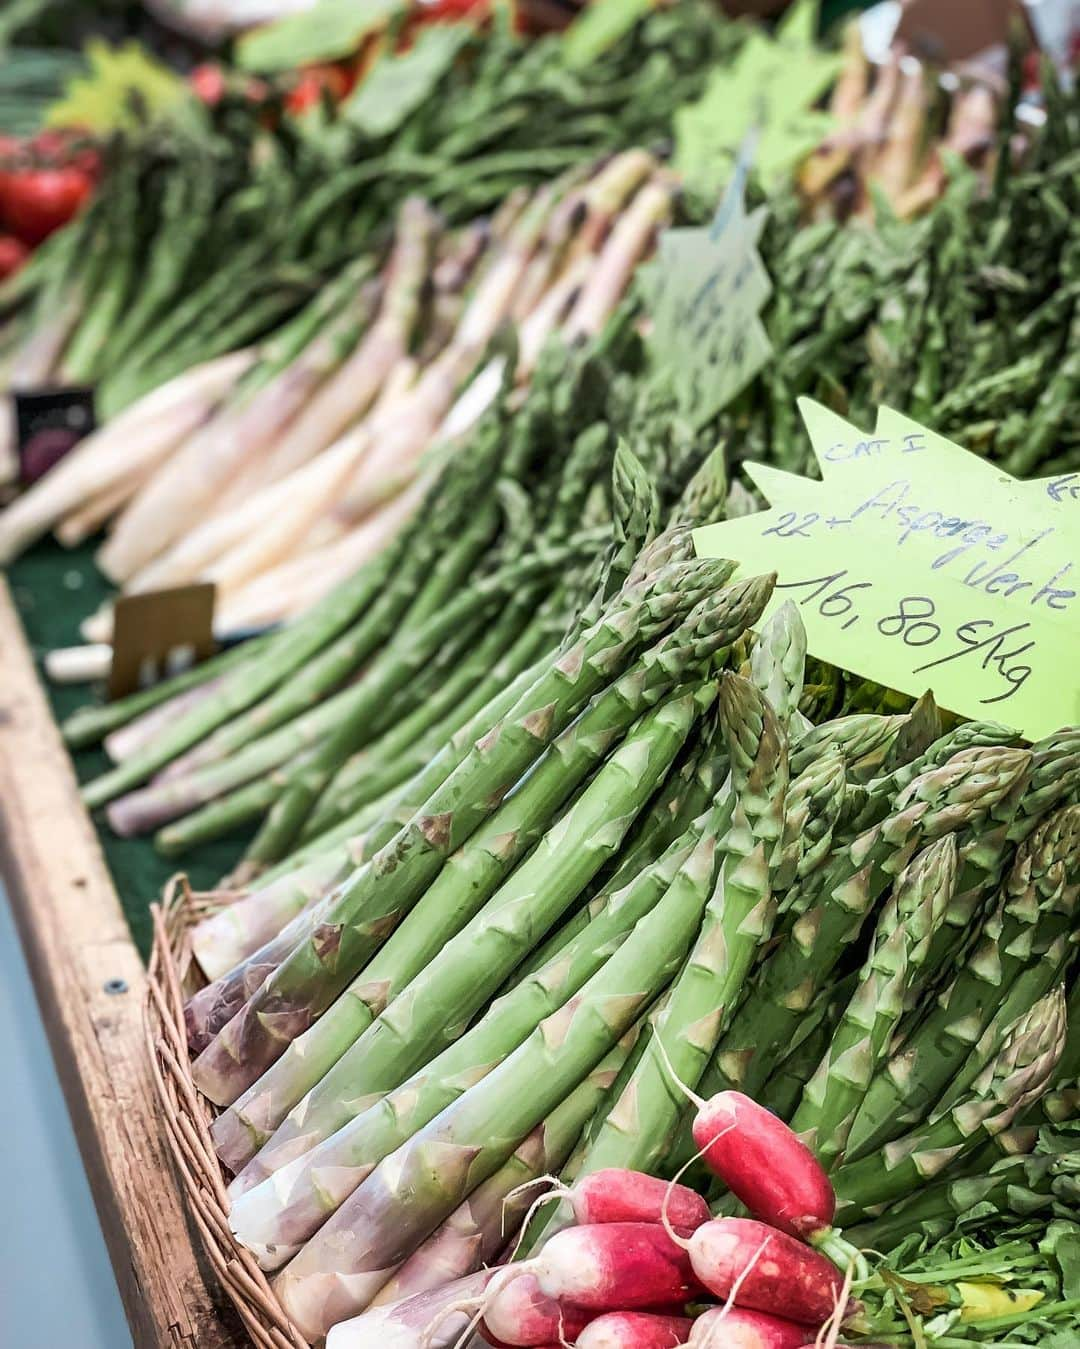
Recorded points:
(91, 988)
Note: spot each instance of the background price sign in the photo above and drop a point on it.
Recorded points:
(705, 291)
(919, 565)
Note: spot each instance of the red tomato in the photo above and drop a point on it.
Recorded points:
(34, 202)
(13, 253)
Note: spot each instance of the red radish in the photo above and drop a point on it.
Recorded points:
(765, 1164)
(634, 1330)
(616, 1195)
(607, 1267)
(740, 1328)
(522, 1314)
(757, 1266)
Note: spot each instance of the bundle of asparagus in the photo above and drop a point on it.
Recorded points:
(308, 466)
(211, 233)
(343, 706)
(758, 902)
(896, 127)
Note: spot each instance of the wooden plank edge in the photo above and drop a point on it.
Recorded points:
(77, 944)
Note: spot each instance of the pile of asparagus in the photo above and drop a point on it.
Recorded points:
(965, 317)
(895, 128)
(636, 876)
(210, 234)
(320, 720)
(313, 459)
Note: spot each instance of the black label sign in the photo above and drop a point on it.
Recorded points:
(49, 423)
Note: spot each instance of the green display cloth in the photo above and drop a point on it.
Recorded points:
(54, 590)
(831, 10)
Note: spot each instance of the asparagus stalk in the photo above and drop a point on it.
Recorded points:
(907, 922)
(404, 1199)
(352, 717)
(738, 919)
(1046, 1183)
(1014, 1078)
(343, 932)
(1034, 909)
(368, 1046)
(784, 1087)
(287, 652)
(406, 745)
(282, 1200)
(863, 738)
(811, 812)
(471, 875)
(404, 748)
(956, 796)
(208, 1010)
(409, 563)
(883, 790)
(402, 659)
(686, 794)
(476, 1232)
(404, 710)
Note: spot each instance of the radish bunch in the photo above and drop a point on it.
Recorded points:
(646, 1255)
(643, 1249)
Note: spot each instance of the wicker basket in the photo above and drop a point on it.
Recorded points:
(173, 975)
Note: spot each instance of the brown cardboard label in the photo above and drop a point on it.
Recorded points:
(151, 629)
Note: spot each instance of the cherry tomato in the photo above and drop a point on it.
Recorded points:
(13, 253)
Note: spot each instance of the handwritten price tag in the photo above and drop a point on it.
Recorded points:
(920, 565)
(706, 291)
(772, 85)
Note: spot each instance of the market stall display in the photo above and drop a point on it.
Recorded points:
(573, 956)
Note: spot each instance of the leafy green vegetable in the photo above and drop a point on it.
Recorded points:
(331, 29)
(598, 27)
(398, 85)
(123, 87)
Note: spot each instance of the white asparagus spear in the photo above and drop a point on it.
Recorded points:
(397, 447)
(194, 481)
(633, 236)
(102, 506)
(349, 393)
(142, 433)
(292, 588)
(78, 664)
(127, 740)
(606, 194)
(189, 486)
(551, 311)
(37, 358)
(312, 489)
(194, 554)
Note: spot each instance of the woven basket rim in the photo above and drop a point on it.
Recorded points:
(187, 1116)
